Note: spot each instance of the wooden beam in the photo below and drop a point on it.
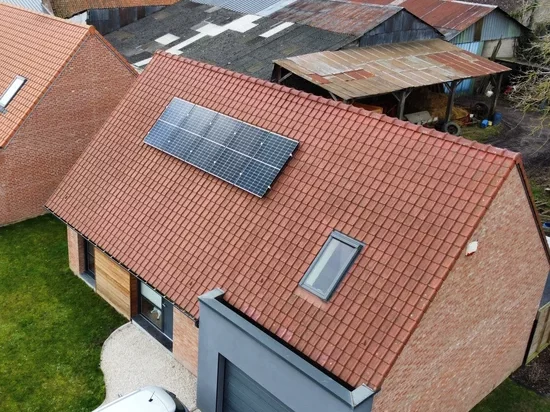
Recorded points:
(276, 76)
(496, 92)
(451, 100)
(401, 97)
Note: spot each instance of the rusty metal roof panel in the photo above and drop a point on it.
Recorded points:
(368, 71)
(449, 17)
(335, 16)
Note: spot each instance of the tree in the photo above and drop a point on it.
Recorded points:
(531, 89)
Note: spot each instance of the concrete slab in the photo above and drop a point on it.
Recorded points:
(132, 359)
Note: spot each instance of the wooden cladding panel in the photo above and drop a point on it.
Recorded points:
(541, 337)
(113, 283)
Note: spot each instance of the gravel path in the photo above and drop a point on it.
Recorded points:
(131, 359)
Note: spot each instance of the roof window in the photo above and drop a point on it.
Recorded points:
(11, 91)
(331, 264)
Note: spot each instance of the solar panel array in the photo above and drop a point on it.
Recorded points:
(241, 154)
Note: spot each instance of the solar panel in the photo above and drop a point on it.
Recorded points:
(241, 154)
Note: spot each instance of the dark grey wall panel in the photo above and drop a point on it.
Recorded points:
(109, 20)
(242, 394)
(399, 28)
(226, 336)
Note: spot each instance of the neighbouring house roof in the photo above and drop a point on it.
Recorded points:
(259, 7)
(449, 17)
(35, 46)
(367, 71)
(414, 196)
(68, 8)
(34, 5)
(509, 6)
(340, 17)
(243, 47)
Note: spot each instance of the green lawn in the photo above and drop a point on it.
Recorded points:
(511, 397)
(52, 325)
(480, 135)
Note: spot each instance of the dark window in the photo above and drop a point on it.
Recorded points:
(478, 30)
(156, 309)
(331, 264)
(90, 258)
(151, 305)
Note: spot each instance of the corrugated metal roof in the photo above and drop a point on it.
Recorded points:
(454, 17)
(34, 5)
(336, 16)
(361, 72)
(246, 6)
(69, 8)
(450, 17)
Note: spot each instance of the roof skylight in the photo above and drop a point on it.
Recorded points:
(11, 91)
(331, 264)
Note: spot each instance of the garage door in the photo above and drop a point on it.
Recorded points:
(242, 394)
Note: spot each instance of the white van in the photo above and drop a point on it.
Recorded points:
(147, 399)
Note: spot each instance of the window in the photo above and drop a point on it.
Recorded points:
(90, 258)
(151, 305)
(331, 264)
(11, 91)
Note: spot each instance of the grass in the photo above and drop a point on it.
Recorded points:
(52, 325)
(480, 135)
(539, 193)
(511, 397)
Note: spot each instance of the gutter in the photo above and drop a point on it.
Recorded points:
(130, 271)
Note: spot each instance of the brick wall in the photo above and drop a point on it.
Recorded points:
(476, 330)
(76, 251)
(186, 341)
(59, 128)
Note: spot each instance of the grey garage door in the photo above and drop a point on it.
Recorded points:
(242, 394)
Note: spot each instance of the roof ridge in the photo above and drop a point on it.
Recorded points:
(366, 5)
(85, 35)
(492, 6)
(47, 16)
(112, 49)
(483, 147)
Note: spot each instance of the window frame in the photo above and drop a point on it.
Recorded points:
(356, 244)
(3, 108)
(89, 251)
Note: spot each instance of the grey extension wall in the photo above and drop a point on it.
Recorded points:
(224, 334)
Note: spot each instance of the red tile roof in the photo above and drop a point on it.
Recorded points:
(412, 195)
(68, 8)
(35, 46)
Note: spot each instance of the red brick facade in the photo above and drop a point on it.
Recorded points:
(186, 334)
(76, 251)
(186, 341)
(59, 128)
(476, 330)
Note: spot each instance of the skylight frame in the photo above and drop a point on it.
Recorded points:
(11, 91)
(349, 241)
